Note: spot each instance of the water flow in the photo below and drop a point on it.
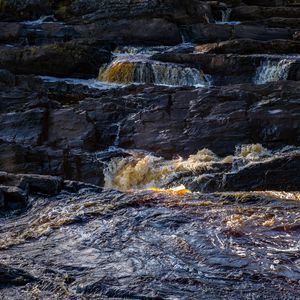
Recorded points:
(142, 171)
(41, 20)
(144, 70)
(226, 15)
(273, 70)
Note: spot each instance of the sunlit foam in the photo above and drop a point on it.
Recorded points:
(179, 190)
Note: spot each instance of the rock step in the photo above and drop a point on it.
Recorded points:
(276, 22)
(254, 13)
(250, 46)
(225, 69)
(210, 33)
(70, 59)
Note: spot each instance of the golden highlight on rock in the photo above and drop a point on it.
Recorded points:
(118, 72)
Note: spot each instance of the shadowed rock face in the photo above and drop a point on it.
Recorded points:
(147, 245)
(174, 174)
(64, 59)
(59, 133)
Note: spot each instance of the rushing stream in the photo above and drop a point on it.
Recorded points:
(158, 243)
(134, 68)
(271, 70)
(158, 228)
(142, 245)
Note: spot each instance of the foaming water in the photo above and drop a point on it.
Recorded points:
(41, 20)
(273, 70)
(141, 69)
(226, 15)
(142, 171)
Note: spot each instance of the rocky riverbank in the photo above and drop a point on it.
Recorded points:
(149, 149)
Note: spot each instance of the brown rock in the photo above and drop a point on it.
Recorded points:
(63, 59)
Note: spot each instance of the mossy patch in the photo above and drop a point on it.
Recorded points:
(3, 5)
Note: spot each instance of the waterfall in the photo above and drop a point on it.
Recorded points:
(272, 70)
(226, 15)
(151, 72)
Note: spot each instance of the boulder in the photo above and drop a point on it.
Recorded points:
(62, 59)
(13, 198)
(243, 13)
(279, 173)
(249, 46)
(210, 33)
(24, 10)
(168, 121)
(23, 183)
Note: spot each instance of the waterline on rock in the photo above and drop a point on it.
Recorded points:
(91, 83)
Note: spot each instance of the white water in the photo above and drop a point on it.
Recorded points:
(271, 71)
(91, 83)
(226, 18)
(159, 73)
(41, 20)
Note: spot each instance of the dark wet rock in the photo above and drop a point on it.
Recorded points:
(242, 13)
(154, 31)
(76, 186)
(276, 22)
(215, 118)
(210, 33)
(273, 3)
(24, 10)
(120, 22)
(277, 174)
(14, 277)
(13, 198)
(296, 36)
(7, 79)
(71, 164)
(66, 140)
(25, 127)
(111, 244)
(49, 185)
(10, 32)
(62, 59)
(248, 46)
(190, 11)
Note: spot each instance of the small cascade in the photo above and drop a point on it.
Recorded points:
(41, 20)
(273, 70)
(144, 171)
(151, 72)
(226, 15)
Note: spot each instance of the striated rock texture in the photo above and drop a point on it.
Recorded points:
(174, 173)
(59, 129)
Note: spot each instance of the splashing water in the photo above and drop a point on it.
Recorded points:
(151, 72)
(139, 172)
(148, 171)
(271, 70)
(179, 190)
(226, 15)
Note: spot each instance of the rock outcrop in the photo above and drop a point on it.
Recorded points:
(61, 59)
(62, 128)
